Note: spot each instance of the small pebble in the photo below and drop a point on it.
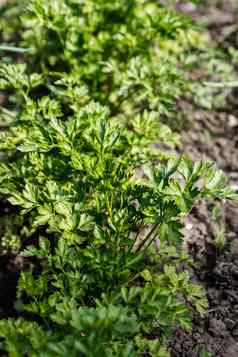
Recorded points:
(232, 121)
(189, 226)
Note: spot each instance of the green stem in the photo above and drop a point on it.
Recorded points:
(147, 237)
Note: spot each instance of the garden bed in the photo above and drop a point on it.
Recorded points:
(211, 134)
(214, 135)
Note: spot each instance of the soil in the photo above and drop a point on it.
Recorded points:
(10, 266)
(217, 271)
(213, 135)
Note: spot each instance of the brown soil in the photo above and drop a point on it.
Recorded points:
(217, 271)
(213, 135)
